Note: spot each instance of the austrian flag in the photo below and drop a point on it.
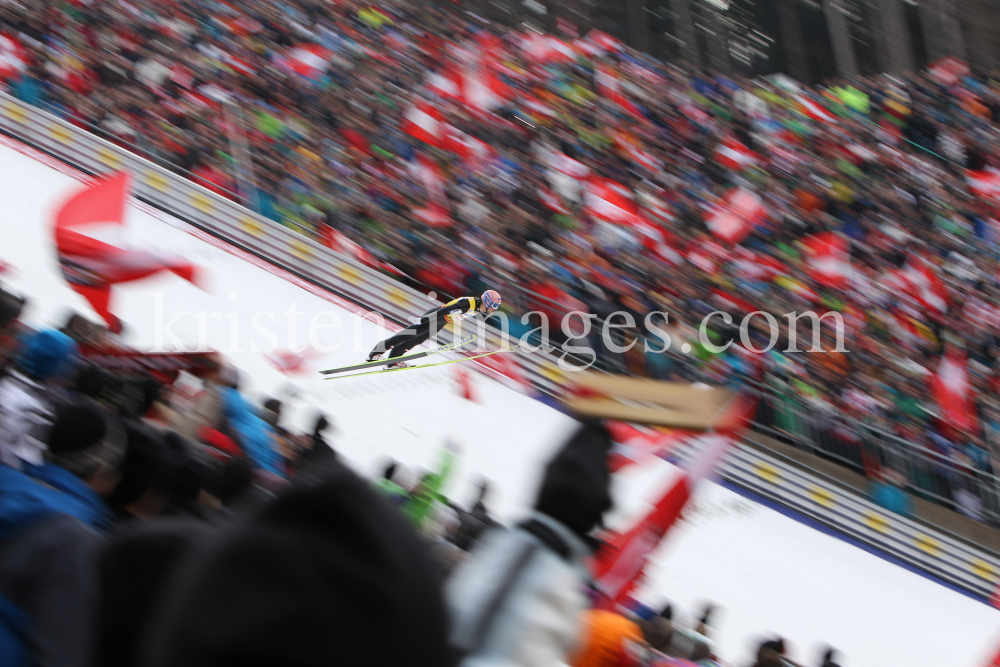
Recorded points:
(828, 254)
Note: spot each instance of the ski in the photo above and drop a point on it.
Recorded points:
(406, 357)
(440, 363)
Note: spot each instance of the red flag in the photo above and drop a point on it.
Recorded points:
(948, 70)
(737, 215)
(446, 83)
(308, 60)
(290, 362)
(13, 57)
(603, 42)
(90, 266)
(618, 565)
(926, 285)
(984, 183)
(953, 391)
(814, 110)
(423, 121)
(610, 201)
(544, 49)
(636, 444)
(466, 389)
(734, 155)
(829, 258)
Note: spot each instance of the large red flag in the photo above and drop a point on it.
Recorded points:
(618, 565)
(90, 266)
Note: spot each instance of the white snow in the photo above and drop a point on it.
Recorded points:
(768, 574)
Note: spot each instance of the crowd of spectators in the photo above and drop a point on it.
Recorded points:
(151, 515)
(884, 161)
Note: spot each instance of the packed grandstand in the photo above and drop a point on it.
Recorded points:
(569, 174)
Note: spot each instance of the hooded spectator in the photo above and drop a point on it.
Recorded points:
(51, 516)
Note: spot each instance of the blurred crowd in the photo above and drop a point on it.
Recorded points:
(150, 514)
(457, 155)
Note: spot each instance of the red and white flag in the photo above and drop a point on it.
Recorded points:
(308, 60)
(926, 285)
(637, 444)
(551, 201)
(734, 155)
(984, 183)
(618, 565)
(953, 391)
(610, 88)
(545, 49)
(436, 211)
(654, 240)
(643, 158)
(814, 110)
(611, 202)
(949, 70)
(13, 57)
(446, 82)
(290, 362)
(736, 216)
(568, 166)
(829, 257)
(603, 42)
(425, 122)
(91, 266)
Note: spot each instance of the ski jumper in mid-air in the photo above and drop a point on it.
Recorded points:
(433, 321)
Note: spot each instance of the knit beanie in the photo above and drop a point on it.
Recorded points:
(44, 352)
(575, 488)
(10, 307)
(85, 437)
(330, 574)
(143, 455)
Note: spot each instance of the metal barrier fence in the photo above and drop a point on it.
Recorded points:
(780, 415)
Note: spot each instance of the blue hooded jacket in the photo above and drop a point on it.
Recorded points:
(39, 492)
(256, 435)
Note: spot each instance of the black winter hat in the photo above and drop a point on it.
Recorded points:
(85, 436)
(143, 457)
(575, 489)
(10, 307)
(327, 575)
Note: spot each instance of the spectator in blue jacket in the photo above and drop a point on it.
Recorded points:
(50, 521)
(255, 435)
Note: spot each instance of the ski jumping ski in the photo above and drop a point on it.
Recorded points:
(440, 363)
(404, 358)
